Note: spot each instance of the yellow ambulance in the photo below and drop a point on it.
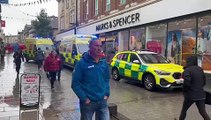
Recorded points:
(32, 44)
(72, 48)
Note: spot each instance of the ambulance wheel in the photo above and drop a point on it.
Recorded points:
(115, 74)
(149, 82)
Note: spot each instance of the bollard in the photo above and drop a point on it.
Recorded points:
(112, 109)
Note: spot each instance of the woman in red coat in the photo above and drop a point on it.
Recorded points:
(52, 65)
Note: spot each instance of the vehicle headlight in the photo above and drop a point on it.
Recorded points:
(160, 72)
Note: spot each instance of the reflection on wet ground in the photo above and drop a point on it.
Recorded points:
(61, 103)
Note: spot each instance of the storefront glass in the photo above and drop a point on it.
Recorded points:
(111, 45)
(137, 38)
(123, 40)
(181, 41)
(204, 42)
(156, 38)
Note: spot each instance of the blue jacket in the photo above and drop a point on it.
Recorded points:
(90, 79)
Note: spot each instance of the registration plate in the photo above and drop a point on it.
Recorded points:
(179, 81)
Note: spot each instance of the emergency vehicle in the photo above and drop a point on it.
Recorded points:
(32, 44)
(72, 48)
(150, 68)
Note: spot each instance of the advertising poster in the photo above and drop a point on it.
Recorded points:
(174, 46)
(203, 47)
(30, 89)
(188, 43)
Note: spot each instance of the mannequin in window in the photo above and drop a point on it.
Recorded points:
(175, 48)
(200, 47)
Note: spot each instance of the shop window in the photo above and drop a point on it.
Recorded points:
(137, 38)
(111, 45)
(181, 41)
(204, 42)
(123, 40)
(156, 38)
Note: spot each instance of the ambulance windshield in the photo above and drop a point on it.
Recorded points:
(83, 48)
(43, 47)
(153, 58)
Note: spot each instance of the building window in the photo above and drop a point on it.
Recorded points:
(62, 23)
(87, 9)
(108, 5)
(67, 4)
(122, 2)
(137, 38)
(96, 7)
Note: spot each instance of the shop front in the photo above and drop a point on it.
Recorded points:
(178, 35)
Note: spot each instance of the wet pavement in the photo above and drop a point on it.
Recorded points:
(132, 100)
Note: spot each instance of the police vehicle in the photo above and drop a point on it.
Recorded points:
(150, 68)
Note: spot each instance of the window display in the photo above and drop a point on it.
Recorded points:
(123, 40)
(156, 38)
(204, 42)
(181, 40)
(111, 45)
(174, 46)
(137, 38)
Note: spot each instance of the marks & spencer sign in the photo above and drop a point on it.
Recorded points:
(119, 22)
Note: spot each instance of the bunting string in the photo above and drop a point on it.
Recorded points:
(27, 14)
(28, 3)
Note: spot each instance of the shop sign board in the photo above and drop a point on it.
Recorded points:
(4, 1)
(119, 22)
(30, 90)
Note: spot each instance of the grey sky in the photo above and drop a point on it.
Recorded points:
(17, 17)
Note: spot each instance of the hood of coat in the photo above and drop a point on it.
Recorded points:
(191, 61)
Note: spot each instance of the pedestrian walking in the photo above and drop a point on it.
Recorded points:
(194, 81)
(51, 65)
(90, 82)
(18, 55)
(39, 57)
(62, 58)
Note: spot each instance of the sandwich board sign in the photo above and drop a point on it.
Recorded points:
(29, 92)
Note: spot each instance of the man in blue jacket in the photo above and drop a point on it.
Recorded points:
(90, 83)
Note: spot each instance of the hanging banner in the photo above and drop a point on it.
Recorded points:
(4, 1)
(2, 23)
(30, 90)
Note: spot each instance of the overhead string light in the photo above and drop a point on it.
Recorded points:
(28, 3)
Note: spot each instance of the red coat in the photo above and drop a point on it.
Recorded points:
(52, 63)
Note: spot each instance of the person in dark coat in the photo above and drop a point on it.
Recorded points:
(62, 58)
(18, 55)
(39, 57)
(194, 81)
